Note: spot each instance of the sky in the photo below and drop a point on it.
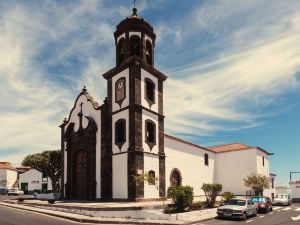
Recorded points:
(233, 70)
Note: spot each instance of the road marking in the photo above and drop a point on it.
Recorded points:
(261, 217)
(297, 209)
(271, 213)
(249, 221)
(296, 218)
(286, 209)
(276, 208)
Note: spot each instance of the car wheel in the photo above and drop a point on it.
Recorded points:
(271, 209)
(244, 216)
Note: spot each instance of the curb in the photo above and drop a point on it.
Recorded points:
(96, 221)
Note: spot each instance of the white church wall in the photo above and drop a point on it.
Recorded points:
(124, 73)
(145, 116)
(120, 115)
(120, 181)
(232, 167)
(145, 74)
(190, 162)
(151, 162)
(90, 111)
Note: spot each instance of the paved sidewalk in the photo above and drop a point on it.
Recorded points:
(181, 218)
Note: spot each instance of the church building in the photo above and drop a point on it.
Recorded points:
(104, 146)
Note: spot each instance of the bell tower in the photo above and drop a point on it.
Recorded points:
(135, 130)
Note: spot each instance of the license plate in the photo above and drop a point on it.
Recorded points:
(227, 214)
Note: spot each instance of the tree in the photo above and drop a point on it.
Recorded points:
(48, 163)
(182, 196)
(257, 183)
(211, 192)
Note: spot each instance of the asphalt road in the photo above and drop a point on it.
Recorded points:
(280, 216)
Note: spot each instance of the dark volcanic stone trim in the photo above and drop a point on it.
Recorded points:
(162, 176)
(135, 156)
(106, 158)
(134, 60)
(62, 164)
(82, 140)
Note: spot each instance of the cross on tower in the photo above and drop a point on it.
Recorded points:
(80, 115)
(133, 3)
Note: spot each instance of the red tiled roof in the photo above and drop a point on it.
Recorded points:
(229, 147)
(295, 182)
(6, 165)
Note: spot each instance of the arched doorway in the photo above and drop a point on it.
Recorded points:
(175, 177)
(81, 175)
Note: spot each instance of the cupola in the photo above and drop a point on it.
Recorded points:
(134, 37)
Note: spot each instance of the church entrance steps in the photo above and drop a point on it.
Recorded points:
(114, 216)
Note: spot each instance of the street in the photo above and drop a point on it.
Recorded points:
(280, 216)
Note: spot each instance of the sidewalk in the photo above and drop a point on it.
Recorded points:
(75, 215)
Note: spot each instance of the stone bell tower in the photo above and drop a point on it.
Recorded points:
(135, 113)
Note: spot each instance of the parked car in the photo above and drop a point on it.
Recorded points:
(15, 191)
(264, 204)
(237, 208)
(3, 191)
(282, 199)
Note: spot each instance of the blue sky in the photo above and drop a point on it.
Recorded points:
(233, 68)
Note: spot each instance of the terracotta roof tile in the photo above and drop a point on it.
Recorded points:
(229, 147)
(6, 165)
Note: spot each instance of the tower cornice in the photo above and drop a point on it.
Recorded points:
(134, 59)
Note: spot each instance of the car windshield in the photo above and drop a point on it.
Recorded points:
(259, 199)
(281, 196)
(236, 202)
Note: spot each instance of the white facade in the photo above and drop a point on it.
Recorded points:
(33, 181)
(281, 190)
(295, 191)
(87, 106)
(8, 178)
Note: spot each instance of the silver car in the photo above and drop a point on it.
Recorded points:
(282, 199)
(237, 208)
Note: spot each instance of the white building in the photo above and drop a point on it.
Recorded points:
(295, 190)
(34, 181)
(281, 189)
(8, 175)
(105, 146)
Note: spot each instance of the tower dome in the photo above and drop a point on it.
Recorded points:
(134, 36)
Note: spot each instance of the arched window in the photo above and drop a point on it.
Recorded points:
(206, 159)
(175, 177)
(151, 177)
(120, 132)
(149, 52)
(121, 52)
(135, 45)
(149, 91)
(150, 133)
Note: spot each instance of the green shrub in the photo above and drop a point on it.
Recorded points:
(211, 192)
(227, 196)
(169, 209)
(197, 206)
(182, 197)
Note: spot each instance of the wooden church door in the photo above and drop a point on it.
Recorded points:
(81, 175)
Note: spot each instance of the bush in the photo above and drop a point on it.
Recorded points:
(169, 209)
(182, 197)
(197, 206)
(228, 195)
(211, 192)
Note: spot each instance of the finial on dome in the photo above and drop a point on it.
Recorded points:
(84, 89)
(134, 10)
